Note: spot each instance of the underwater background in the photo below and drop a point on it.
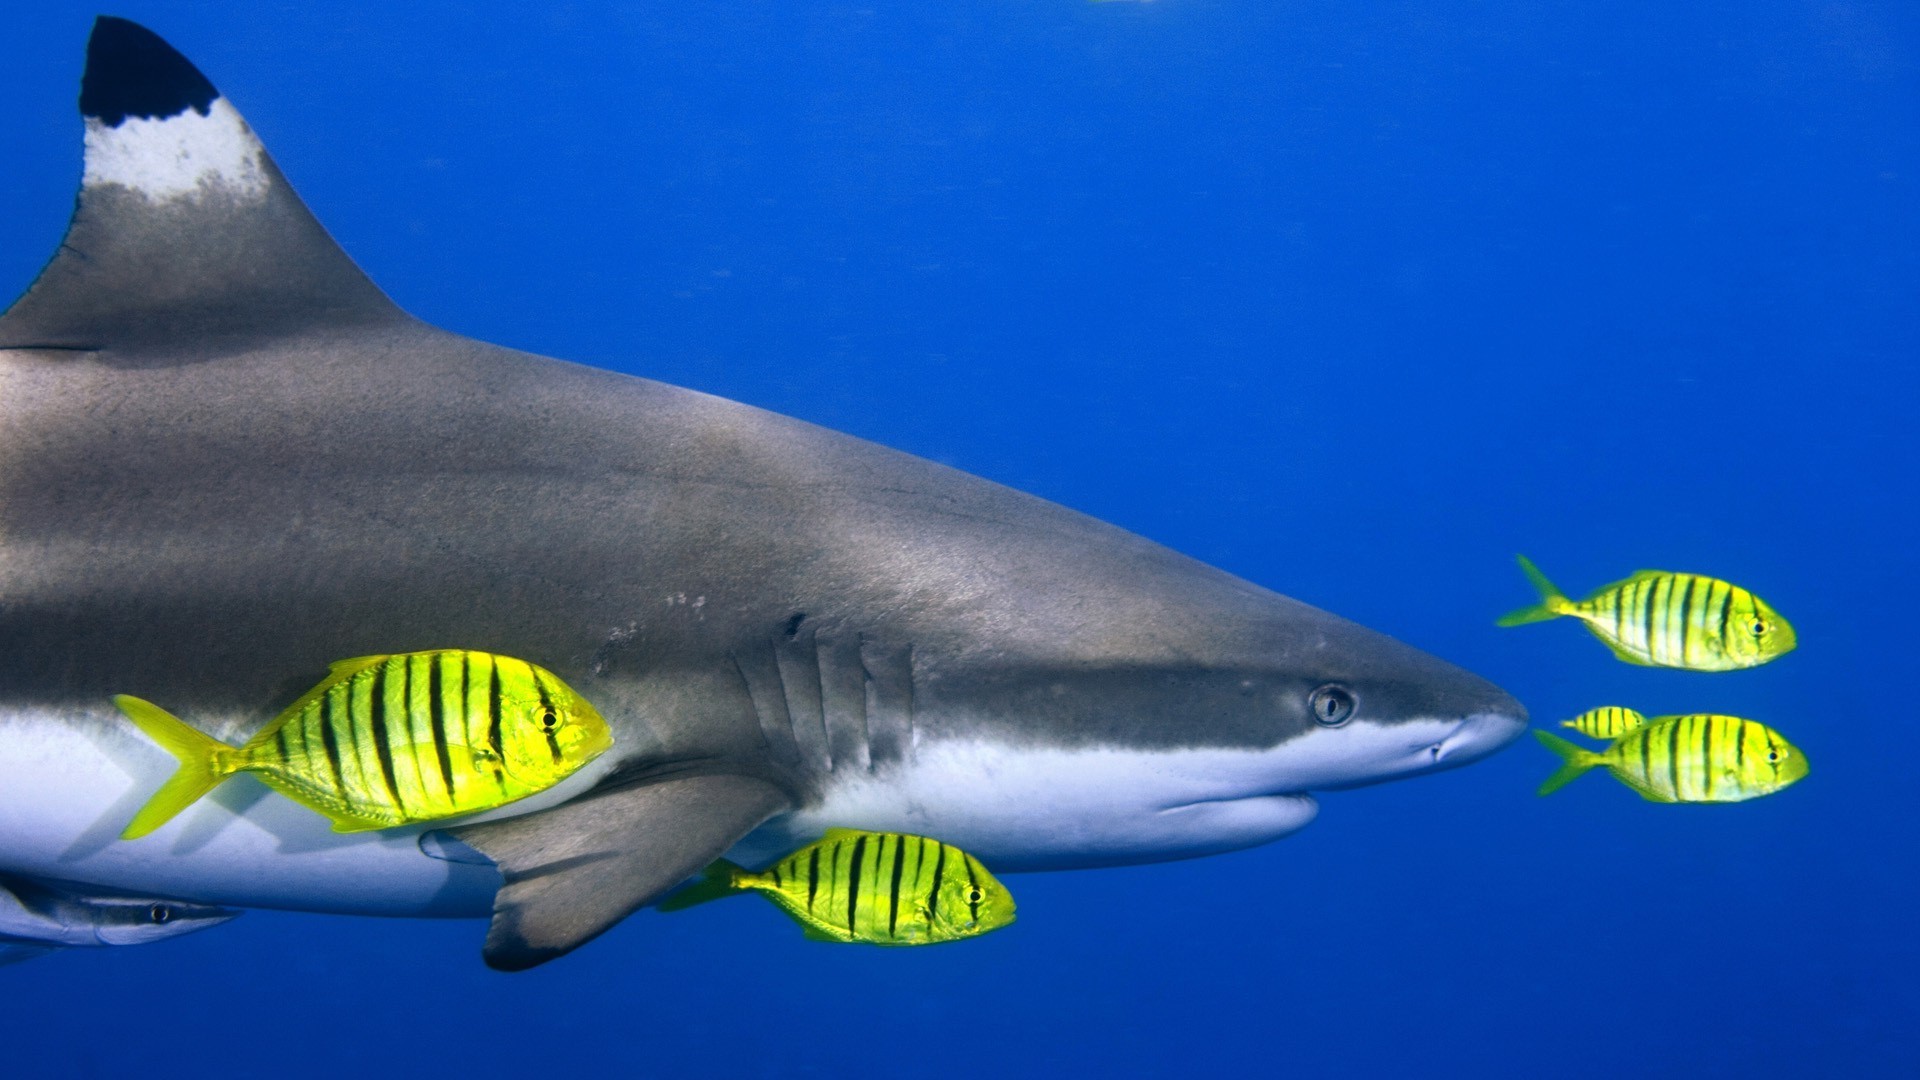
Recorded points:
(1353, 299)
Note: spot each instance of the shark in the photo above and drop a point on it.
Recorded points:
(38, 918)
(227, 460)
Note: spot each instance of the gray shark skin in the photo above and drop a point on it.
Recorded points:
(38, 917)
(226, 460)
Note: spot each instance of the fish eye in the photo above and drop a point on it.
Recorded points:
(975, 895)
(1332, 705)
(548, 718)
(1759, 627)
(1774, 755)
(160, 913)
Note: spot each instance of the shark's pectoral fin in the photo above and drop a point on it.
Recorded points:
(575, 870)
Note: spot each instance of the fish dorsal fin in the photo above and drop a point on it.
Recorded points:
(185, 234)
(337, 672)
(839, 833)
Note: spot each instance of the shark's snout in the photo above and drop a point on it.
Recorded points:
(1481, 733)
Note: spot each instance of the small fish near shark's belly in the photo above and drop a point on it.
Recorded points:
(71, 780)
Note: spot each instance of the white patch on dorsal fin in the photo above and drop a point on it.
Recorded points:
(187, 242)
(186, 156)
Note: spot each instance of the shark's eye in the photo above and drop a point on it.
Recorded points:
(1332, 705)
(160, 913)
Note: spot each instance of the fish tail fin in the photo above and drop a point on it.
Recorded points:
(1552, 603)
(722, 879)
(201, 767)
(1576, 760)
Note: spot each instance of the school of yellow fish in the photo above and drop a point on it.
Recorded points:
(1659, 618)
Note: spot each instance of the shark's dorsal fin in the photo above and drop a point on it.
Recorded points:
(185, 233)
(575, 870)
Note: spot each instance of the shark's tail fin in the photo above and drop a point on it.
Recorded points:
(201, 764)
(1552, 603)
(185, 231)
(1575, 761)
(719, 880)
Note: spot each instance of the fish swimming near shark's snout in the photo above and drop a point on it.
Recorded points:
(226, 459)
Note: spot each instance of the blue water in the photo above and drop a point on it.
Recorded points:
(1354, 299)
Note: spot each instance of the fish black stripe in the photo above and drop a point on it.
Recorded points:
(973, 888)
(464, 717)
(280, 742)
(377, 720)
(899, 864)
(834, 877)
(493, 710)
(436, 717)
(1651, 614)
(776, 875)
(853, 885)
(1686, 617)
(1646, 758)
(406, 710)
(547, 708)
(1706, 753)
(813, 877)
(1720, 617)
(933, 894)
(298, 725)
(919, 871)
(330, 743)
(499, 752)
(1673, 755)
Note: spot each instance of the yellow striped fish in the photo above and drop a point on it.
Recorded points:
(387, 740)
(1663, 619)
(872, 887)
(1606, 722)
(1698, 758)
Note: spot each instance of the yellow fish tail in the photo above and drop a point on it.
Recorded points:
(1577, 760)
(722, 879)
(1553, 602)
(201, 767)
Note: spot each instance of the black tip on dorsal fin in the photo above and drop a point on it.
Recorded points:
(131, 72)
(186, 240)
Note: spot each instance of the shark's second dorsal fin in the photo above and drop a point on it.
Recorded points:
(185, 235)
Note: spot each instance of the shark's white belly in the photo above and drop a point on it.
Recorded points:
(67, 788)
(1039, 808)
(69, 784)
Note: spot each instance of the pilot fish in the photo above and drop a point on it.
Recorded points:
(1697, 758)
(1606, 722)
(1659, 618)
(872, 887)
(388, 740)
